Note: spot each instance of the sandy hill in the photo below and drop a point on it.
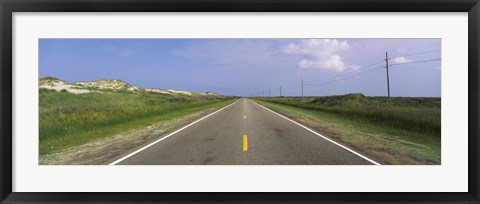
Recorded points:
(53, 83)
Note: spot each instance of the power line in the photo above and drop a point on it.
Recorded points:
(346, 73)
(344, 77)
(429, 60)
(353, 71)
(364, 67)
(358, 72)
(418, 53)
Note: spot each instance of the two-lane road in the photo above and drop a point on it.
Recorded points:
(244, 133)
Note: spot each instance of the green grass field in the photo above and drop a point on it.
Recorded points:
(395, 130)
(68, 119)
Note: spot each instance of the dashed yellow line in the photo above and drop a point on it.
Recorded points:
(245, 143)
(245, 138)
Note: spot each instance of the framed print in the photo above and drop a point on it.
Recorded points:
(260, 101)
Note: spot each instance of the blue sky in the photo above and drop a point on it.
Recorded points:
(246, 67)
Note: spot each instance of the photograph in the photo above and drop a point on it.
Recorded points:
(239, 101)
(318, 101)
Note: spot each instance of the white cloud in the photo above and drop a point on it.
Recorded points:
(335, 62)
(320, 54)
(402, 49)
(317, 47)
(398, 60)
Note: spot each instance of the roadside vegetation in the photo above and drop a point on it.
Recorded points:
(394, 131)
(70, 118)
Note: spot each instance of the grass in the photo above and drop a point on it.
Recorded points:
(396, 130)
(68, 119)
(414, 114)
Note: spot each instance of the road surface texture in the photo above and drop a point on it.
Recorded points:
(244, 133)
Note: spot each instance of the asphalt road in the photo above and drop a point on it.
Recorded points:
(244, 133)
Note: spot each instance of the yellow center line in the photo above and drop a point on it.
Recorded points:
(245, 143)
(245, 138)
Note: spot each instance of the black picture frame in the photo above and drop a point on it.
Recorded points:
(7, 7)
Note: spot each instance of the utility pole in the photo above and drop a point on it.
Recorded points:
(388, 78)
(280, 91)
(269, 93)
(263, 93)
(302, 87)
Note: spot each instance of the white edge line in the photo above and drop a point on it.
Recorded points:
(167, 136)
(326, 138)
